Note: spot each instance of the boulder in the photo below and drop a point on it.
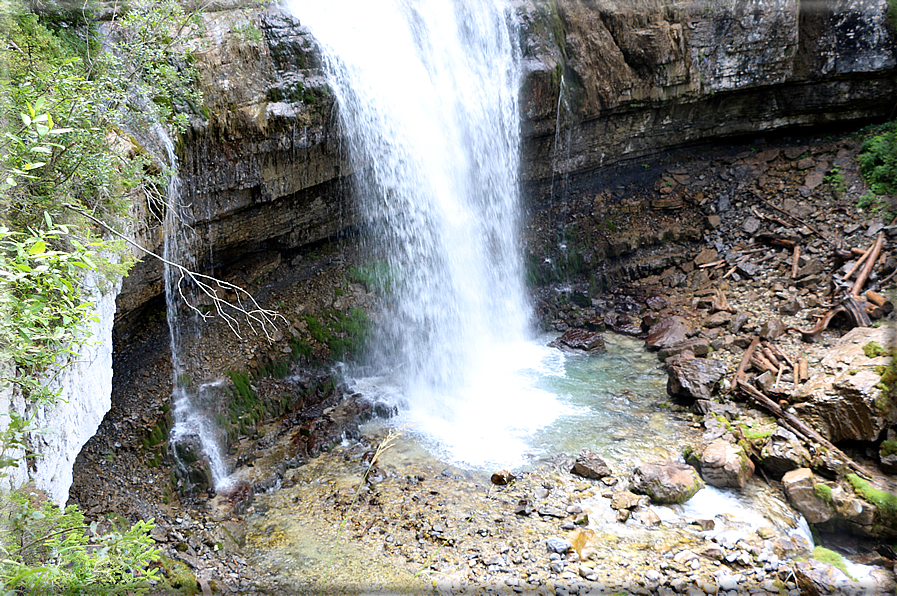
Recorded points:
(782, 453)
(698, 346)
(666, 482)
(724, 464)
(800, 488)
(772, 329)
(667, 332)
(694, 378)
(590, 465)
(718, 319)
(579, 341)
(845, 400)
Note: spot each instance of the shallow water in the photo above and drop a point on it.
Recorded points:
(532, 402)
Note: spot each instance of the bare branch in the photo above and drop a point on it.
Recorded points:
(244, 306)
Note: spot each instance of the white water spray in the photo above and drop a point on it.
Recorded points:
(428, 100)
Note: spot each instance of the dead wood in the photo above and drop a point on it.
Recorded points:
(796, 423)
(870, 263)
(745, 360)
(795, 261)
(860, 261)
(880, 301)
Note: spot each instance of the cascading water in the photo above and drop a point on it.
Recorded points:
(428, 100)
(192, 434)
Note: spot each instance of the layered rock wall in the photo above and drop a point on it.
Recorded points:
(606, 82)
(628, 79)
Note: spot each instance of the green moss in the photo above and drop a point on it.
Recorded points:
(884, 502)
(873, 350)
(824, 492)
(177, 578)
(888, 448)
(830, 557)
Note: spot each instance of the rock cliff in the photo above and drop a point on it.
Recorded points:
(622, 80)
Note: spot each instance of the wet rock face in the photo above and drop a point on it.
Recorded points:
(669, 73)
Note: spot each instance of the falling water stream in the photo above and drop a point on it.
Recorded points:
(427, 93)
(193, 433)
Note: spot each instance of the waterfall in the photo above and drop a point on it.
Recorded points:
(193, 434)
(427, 93)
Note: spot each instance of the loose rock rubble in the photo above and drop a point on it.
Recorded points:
(697, 282)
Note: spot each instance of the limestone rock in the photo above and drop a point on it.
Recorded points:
(843, 402)
(783, 452)
(590, 465)
(666, 482)
(698, 346)
(799, 486)
(579, 341)
(667, 332)
(724, 464)
(694, 378)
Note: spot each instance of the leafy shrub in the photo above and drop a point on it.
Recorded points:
(878, 160)
(47, 551)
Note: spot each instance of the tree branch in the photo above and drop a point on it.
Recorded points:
(245, 307)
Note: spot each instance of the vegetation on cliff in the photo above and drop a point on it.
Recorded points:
(69, 94)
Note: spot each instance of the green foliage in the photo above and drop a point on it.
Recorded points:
(49, 551)
(878, 159)
(43, 312)
(344, 334)
(834, 179)
(376, 276)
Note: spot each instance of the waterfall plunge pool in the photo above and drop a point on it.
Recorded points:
(431, 487)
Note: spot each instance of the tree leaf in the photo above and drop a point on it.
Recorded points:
(38, 247)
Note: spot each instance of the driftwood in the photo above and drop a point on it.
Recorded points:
(870, 263)
(821, 325)
(795, 261)
(859, 262)
(797, 424)
(880, 301)
(799, 220)
(746, 359)
(774, 240)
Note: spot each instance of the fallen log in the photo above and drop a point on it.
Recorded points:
(803, 370)
(762, 364)
(779, 353)
(746, 359)
(821, 325)
(870, 263)
(857, 310)
(880, 301)
(774, 240)
(796, 423)
(860, 261)
(795, 261)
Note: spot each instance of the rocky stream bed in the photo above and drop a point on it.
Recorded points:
(684, 254)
